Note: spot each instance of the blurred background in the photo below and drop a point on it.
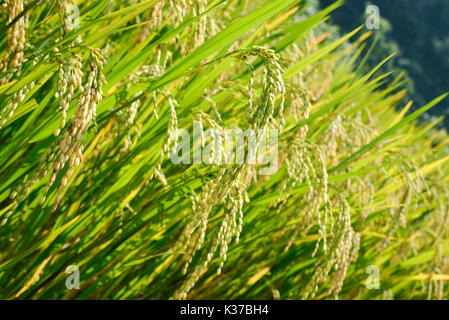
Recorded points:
(418, 30)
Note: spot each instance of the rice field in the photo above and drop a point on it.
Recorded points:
(93, 98)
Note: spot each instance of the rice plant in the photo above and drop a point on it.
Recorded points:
(94, 95)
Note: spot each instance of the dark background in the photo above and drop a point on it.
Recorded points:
(418, 30)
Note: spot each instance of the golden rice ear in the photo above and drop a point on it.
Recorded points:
(192, 238)
(175, 11)
(70, 77)
(343, 248)
(13, 57)
(17, 99)
(272, 85)
(170, 140)
(226, 185)
(68, 146)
